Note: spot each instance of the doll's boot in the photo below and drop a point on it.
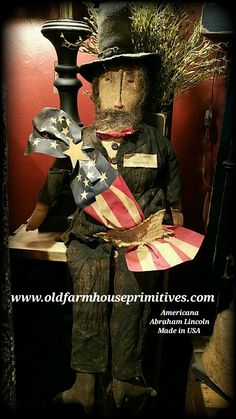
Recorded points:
(82, 392)
(131, 395)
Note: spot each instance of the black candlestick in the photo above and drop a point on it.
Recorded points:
(66, 36)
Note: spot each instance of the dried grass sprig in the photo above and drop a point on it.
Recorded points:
(187, 57)
(167, 29)
(91, 45)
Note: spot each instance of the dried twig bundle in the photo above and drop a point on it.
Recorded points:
(167, 29)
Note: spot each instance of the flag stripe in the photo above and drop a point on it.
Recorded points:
(132, 260)
(159, 260)
(129, 206)
(181, 254)
(188, 236)
(93, 211)
(187, 248)
(120, 184)
(167, 252)
(145, 258)
(106, 211)
(117, 210)
(135, 259)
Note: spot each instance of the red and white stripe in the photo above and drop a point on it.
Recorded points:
(116, 207)
(164, 253)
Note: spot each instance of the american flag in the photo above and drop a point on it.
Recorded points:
(165, 253)
(102, 193)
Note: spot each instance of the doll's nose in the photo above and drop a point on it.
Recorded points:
(119, 106)
(118, 101)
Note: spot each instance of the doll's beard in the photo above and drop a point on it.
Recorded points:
(113, 119)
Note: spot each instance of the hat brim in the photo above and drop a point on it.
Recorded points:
(94, 68)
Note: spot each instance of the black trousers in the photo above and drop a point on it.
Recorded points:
(107, 335)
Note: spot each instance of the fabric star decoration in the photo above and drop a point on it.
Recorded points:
(75, 153)
(36, 142)
(54, 144)
(84, 195)
(103, 177)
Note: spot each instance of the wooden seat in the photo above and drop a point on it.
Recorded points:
(37, 245)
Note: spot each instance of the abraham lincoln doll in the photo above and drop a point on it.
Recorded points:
(110, 336)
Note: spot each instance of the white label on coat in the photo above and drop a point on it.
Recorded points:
(140, 160)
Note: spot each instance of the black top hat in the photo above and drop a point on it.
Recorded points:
(115, 44)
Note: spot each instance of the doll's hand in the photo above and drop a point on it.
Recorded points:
(178, 218)
(37, 217)
(149, 230)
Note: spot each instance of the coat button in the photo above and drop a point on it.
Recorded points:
(114, 146)
(114, 160)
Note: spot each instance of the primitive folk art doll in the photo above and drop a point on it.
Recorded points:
(126, 184)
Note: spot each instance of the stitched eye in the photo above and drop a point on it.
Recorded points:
(130, 80)
(108, 77)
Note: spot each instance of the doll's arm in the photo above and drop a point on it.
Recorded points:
(177, 215)
(38, 216)
(173, 187)
(49, 193)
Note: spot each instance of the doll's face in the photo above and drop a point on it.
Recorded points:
(121, 89)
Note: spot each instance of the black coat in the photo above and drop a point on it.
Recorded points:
(154, 188)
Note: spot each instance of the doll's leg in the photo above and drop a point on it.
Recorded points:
(89, 267)
(128, 327)
(90, 270)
